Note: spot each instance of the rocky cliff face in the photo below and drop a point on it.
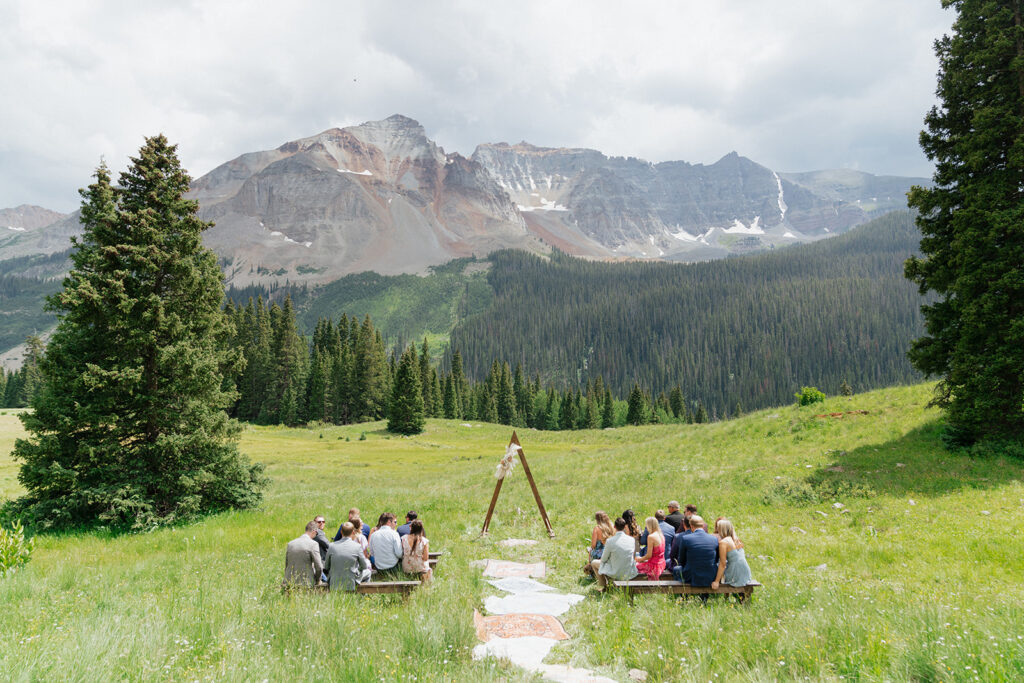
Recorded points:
(585, 202)
(382, 196)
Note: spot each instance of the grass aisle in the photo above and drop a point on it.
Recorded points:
(922, 576)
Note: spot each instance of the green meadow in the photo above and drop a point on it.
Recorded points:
(883, 557)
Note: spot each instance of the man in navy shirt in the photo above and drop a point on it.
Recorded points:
(697, 556)
(404, 529)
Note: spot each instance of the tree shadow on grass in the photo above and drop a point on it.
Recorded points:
(916, 462)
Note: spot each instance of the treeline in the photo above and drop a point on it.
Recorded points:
(19, 387)
(345, 374)
(744, 331)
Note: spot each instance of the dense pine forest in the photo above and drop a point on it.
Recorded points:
(745, 331)
(680, 341)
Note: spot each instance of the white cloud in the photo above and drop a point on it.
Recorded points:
(798, 85)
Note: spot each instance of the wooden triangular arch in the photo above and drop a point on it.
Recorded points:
(533, 485)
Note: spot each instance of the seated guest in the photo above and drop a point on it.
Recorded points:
(601, 532)
(409, 517)
(667, 531)
(617, 561)
(321, 537)
(697, 558)
(684, 529)
(416, 552)
(353, 514)
(346, 564)
(302, 564)
(652, 562)
(733, 569)
(717, 520)
(632, 530)
(359, 538)
(385, 545)
(674, 516)
(690, 511)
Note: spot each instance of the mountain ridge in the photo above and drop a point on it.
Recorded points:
(382, 196)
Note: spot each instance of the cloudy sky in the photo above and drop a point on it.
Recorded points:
(794, 84)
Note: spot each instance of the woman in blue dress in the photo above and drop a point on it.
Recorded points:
(733, 569)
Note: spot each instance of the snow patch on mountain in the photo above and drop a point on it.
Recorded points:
(11, 227)
(738, 228)
(545, 205)
(345, 170)
(782, 199)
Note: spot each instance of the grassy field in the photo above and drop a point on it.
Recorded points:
(916, 577)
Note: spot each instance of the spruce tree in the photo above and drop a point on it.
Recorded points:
(506, 397)
(405, 412)
(449, 398)
(427, 387)
(567, 411)
(972, 224)
(675, 401)
(130, 428)
(608, 410)
(637, 411)
(551, 411)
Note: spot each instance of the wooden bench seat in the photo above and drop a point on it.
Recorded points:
(673, 587)
(375, 587)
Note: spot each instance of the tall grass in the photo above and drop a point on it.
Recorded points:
(916, 577)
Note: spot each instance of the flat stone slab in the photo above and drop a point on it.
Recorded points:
(520, 584)
(554, 604)
(562, 673)
(515, 542)
(502, 568)
(518, 626)
(527, 651)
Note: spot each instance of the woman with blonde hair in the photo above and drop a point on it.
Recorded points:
(733, 569)
(602, 531)
(653, 561)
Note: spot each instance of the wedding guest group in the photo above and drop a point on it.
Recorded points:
(675, 544)
(357, 552)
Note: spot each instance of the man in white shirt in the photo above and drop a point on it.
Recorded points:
(385, 544)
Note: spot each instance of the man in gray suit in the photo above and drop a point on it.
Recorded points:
(346, 563)
(302, 564)
(618, 561)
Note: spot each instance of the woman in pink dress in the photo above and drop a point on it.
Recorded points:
(653, 562)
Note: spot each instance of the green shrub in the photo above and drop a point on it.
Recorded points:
(809, 395)
(788, 491)
(15, 550)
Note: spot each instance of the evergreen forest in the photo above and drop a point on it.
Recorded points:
(747, 331)
(563, 343)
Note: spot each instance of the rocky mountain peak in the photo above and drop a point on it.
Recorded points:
(27, 217)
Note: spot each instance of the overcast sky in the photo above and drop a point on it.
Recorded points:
(794, 85)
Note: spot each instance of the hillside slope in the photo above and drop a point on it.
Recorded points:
(846, 523)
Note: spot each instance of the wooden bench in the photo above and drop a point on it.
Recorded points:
(377, 587)
(635, 586)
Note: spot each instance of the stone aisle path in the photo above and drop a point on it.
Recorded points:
(524, 626)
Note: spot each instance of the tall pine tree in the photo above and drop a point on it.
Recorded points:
(130, 428)
(405, 413)
(972, 224)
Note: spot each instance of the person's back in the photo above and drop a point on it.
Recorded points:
(302, 564)
(385, 544)
(346, 564)
(617, 561)
(404, 530)
(697, 558)
(669, 532)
